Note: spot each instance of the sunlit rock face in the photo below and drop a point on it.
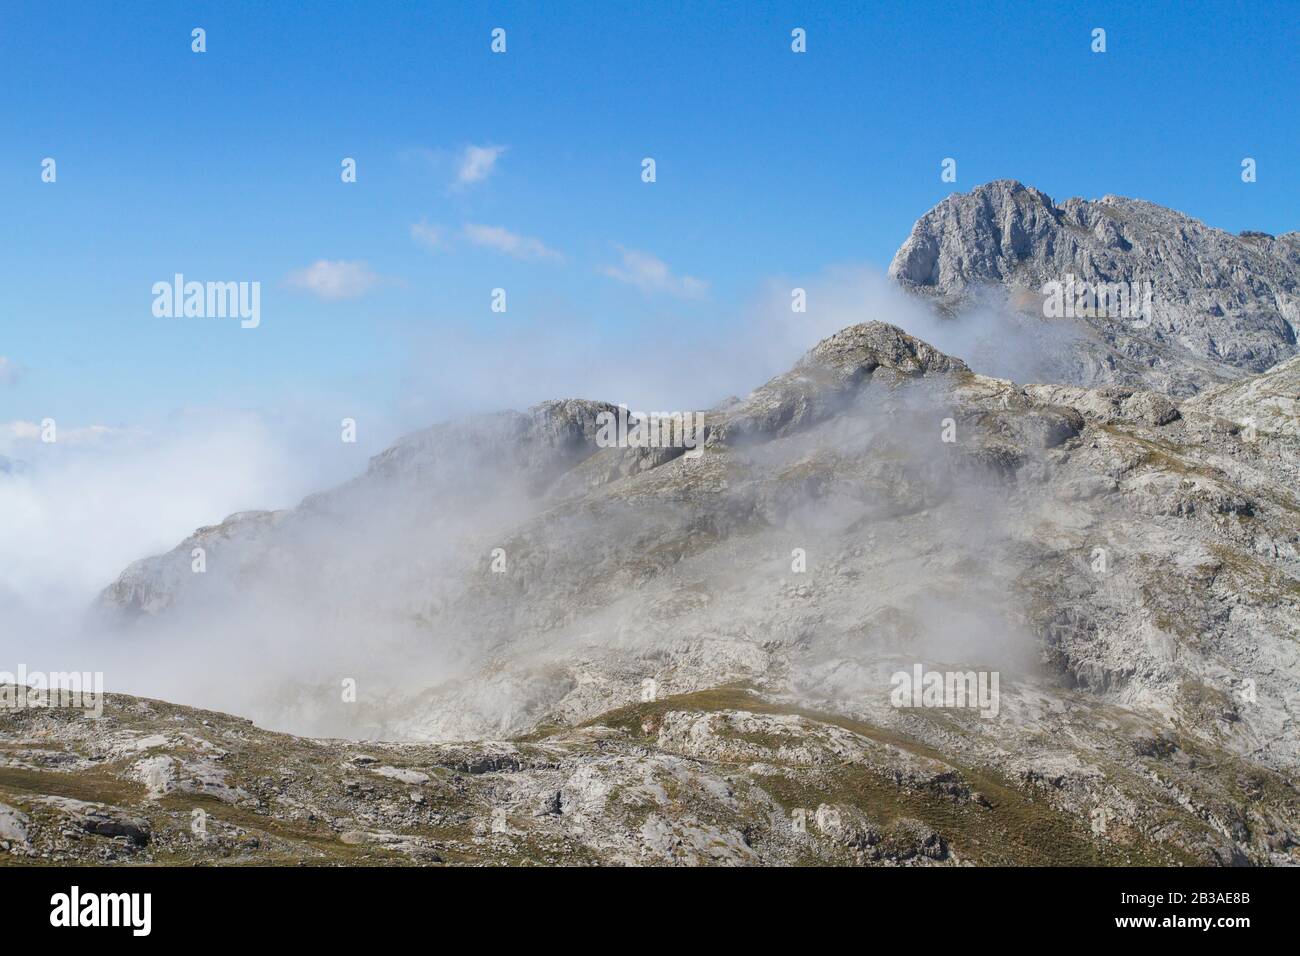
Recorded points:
(1222, 304)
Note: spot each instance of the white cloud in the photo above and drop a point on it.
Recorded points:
(21, 431)
(77, 512)
(477, 163)
(9, 371)
(430, 236)
(651, 274)
(332, 280)
(509, 243)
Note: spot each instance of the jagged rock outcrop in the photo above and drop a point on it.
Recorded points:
(1269, 403)
(1223, 304)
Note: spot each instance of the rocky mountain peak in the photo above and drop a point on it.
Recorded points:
(1221, 304)
(871, 345)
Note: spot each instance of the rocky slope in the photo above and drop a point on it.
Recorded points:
(716, 778)
(1222, 304)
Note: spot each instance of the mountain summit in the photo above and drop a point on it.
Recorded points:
(1224, 304)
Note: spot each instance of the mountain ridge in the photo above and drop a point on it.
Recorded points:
(1128, 560)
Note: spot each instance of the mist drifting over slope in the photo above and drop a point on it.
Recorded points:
(380, 581)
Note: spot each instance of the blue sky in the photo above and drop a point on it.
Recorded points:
(771, 166)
